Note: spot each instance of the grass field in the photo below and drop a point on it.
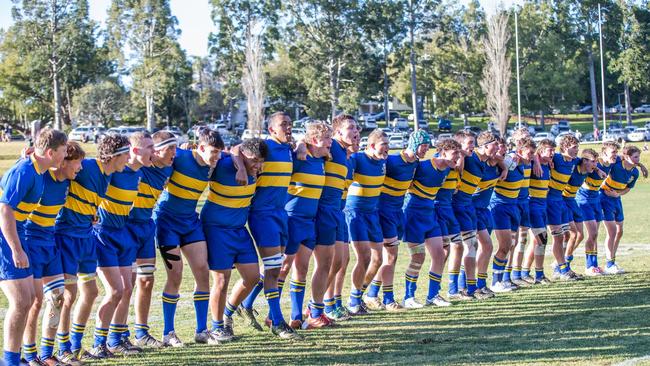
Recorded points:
(593, 322)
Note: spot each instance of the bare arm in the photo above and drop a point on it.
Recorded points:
(8, 227)
(537, 166)
(241, 177)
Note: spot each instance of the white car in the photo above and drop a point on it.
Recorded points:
(639, 134)
(369, 124)
(644, 108)
(543, 136)
(400, 123)
(83, 134)
(616, 109)
(363, 143)
(444, 136)
(614, 134)
(298, 133)
(397, 142)
(559, 137)
(125, 130)
(249, 134)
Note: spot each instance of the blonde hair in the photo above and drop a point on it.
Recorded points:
(317, 130)
(376, 135)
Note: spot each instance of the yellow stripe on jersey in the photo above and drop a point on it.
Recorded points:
(610, 184)
(48, 210)
(277, 167)
(183, 180)
(306, 178)
(468, 182)
(555, 175)
(526, 181)
(235, 191)
(422, 191)
(393, 187)
(183, 193)
(452, 180)
(42, 220)
(79, 206)
(336, 168)
(20, 216)
(147, 196)
(538, 193)
(116, 208)
(26, 206)
(369, 180)
(592, 184)
(120, 194)
(241, 200)
(557, 185)
(305, 192)
(487, 184)
(84, 194)
(360, 191)
(508, 189)
(273, 181)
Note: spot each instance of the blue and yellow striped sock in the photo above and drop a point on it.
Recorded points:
(539, 273)
(250, 299)
(47, 347)
(355, 297)
(498, 265)
(100, 336)
(339, 300)
(201, 302)
(316, 309)
(217, 324)
(569, 259)
(481, 280)
(453, 282)
(507, 274)
(11, 358)
(564, 268)
(525, 272)
(280, 285)
(76, 335)
(275, 312)
(434, 284)
(29, 350)
(229, 310)
(462, 279)
(330, 305)
(594, 258)
(411, 286)
(471, 286)
(169, 303)
(297, 292)
(516, 273)
(389, 295)
(115, 334)
(588, 262)
(63, 339)
(611, 262)
(141, 330)
(373, 290)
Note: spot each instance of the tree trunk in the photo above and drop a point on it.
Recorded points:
(73, 122)
(386, 110)
(57, 99)
(628, 104)
(541, 118)
(151, 119)
(54, 62)
(414, 91)
(334, 69)
(592, 84)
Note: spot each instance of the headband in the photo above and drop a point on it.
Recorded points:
(164, 143)
(120, 151)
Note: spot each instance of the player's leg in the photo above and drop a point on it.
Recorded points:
(454, 263)
(557, 238)
(144, 281)
(371, 298)
(218, 295)
(540, 240)
(470, 247)
(610, 243)
(417, 253)
(300, 263)
(500, 259)
(20, 296)
(88, 293)
(53, 300)
(250, 277)
(196, 254)
(436, 251)
(29, 336)
(518, 256)
(483, 255)
(323, 255)
(617, 242)
(330, 297)
(112, 282)
(591, 249)
(387, 274)
(363, 256)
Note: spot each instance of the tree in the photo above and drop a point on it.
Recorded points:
(99, 103)
(496, 74)
(253, 79)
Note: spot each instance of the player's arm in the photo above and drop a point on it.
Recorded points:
(504, 169)
(643, 169)
(241, 177)
(8, 227)
(537, 166)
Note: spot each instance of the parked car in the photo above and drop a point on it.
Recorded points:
(542, 136)
(444, 136)
(629, 129)
(249, 134)
(230, 140)
(83, 134)
(444, 124)
(561, 135)
(616, 109)
(363, 143)
(588, 137)
(397, 142)
(585, 109)
(614, 125)
(614, 134)
(298, 133)
(473, 129)
(381, 116)
(558, 129)
(400, 123)
(531, 129)
(369, 124)
(643, 108)
(639, 134)
(125, 130)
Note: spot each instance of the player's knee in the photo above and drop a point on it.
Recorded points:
(23, 302)
(37, 303)
(251, 281)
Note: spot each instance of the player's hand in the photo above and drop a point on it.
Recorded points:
(537, 168)
(26, 151)
(187, 146)
(301, 150)
(241, 177)
(601, 173)
(644, 170)
(504, 175)
(20, 258)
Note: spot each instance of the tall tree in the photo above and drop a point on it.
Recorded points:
(496, 74)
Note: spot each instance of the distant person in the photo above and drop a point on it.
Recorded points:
(578, 135)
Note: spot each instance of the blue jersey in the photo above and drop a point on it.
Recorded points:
(538, 189)
(399, 175)
(507, 190)
(590, 189)
(470, 177)
(84, 196)
(336, 171)
(523, 191)
(306, 186)
(620, 178)
(118, 200)
(273, 181)
(152, 184)
(367, 181)
(40, 223)
(560, 174)
(427, 184)
(186, 185)
(22, 187)
(481, 199)
(446, 192)
(228, 203)
(348, 183)
(575, 181)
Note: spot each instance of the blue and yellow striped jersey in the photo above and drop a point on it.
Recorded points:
(22, 187)
(116, 204)
(538, 189)
(228, 203)
(426, 185)
(152, 184)
(336, 171)
(367, 181)
(470, 178)
(399, 175)
(481, 199)
(507, 190)
(84, 196)
(306, 186)
(40, 223)
(525, 183)
(186, 185)
(560, 174)
(575, 181)
(590, 189)
(348, 182)
(446, 192)
(273, 181)
(620, 178)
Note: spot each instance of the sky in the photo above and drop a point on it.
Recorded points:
(194, 19)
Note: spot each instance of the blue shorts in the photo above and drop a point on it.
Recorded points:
(591, 211)
(484, 220)
(227, 247)
(342, 234)
(392, 223)
(420, 225)
(612, 209)
(447, 220)
(506, 216)
(466, 217)
(8, 270)
(143, 235)
(538, 217)
(327, 225)
(524, 213)
(302, 230)
(572, 211)
(269, 228)
(115, 247)
(78, 255)
(44, 259)
(173, 231)
(364, 226)
(555, 212)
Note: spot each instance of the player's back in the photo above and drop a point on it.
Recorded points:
(273, 182)
(399, 175)
(186, 185)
